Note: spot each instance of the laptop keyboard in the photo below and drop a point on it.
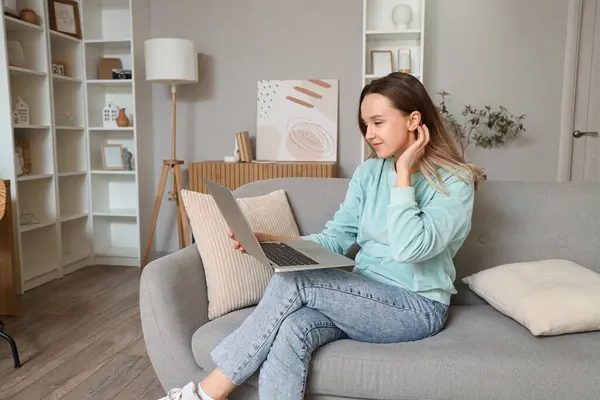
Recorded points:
(284, 255)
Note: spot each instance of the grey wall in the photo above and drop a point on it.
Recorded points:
(508, 52)
(493, 51)
(241, 42)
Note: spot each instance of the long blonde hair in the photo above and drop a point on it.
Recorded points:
(407, 94)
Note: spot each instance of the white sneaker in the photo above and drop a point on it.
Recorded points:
(188, 392)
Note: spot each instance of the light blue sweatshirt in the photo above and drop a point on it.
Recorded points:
(408, 235)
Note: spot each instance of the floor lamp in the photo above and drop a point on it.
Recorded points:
(171, 62)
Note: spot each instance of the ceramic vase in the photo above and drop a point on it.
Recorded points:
(122, 120)
(402, 16)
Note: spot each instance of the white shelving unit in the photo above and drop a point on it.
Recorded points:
(82, 213)
(379, 33)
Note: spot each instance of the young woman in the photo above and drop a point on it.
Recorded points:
(409, 209)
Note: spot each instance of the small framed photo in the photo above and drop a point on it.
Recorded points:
(112, 157)
(64, 17)
(381, 62)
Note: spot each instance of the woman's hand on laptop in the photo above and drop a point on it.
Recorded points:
(261, 237)
(236, 244)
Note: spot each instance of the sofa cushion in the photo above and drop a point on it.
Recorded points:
(481, 354)
(548, 297)
(235, 280)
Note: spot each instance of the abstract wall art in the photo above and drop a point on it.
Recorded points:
(297, 120)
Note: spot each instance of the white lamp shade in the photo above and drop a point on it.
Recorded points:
(172, 61)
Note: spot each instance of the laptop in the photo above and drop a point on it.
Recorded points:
(282, 256)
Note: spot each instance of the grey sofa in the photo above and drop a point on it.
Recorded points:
(480, 354)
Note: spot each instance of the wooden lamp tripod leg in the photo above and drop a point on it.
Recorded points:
(174, 166)
(182, 220)
(159, 195)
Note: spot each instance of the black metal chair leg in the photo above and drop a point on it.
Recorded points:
(13, 347)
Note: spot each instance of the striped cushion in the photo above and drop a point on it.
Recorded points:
(235, 280)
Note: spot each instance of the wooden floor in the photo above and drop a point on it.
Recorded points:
(80, 338)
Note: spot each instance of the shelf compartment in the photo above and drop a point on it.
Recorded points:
(31, 127)
(394, 46)
(69, 109)
(100, 96)
(371, 76)
(16, 25)
(34, 177)
(106, 19)
(67, 218)
(54, 35)
(32, 40)
(76, 241)
(114, 82)
(73, 196)
(98, 139)
(36, 93)
(95, 50)
(37, 197)
(409, 34)
(40, 252)
(379, 14)
(69, 53)
(39, 142)
(17, 70)
(100, 129)
(71, 151)
(116, 237)
(58, 79)
(111, 194)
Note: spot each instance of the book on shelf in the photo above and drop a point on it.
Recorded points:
(245, 146)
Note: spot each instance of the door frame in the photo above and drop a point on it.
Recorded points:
(569, 89)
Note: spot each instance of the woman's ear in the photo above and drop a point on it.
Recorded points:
(414, 120)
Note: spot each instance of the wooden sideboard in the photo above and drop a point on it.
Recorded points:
(8, 295)
(234, 175)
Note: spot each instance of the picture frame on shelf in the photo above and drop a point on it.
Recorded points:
(64, 17)
(381, 62)
(106, 66)
(112, 157)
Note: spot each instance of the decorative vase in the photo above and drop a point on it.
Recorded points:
(28, 15)
(122, 120)
(402, 16)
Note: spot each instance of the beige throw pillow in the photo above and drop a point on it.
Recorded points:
(235, 280)
(549, 297)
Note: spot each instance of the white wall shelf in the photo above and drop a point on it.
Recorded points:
(381, 33)
(14, 24)
(25, 71)
(69, 211)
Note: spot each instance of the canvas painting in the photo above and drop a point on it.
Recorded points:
(297, 120)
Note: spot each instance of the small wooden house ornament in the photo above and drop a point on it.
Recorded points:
(109, 115)
(21, 113)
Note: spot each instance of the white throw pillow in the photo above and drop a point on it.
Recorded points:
(548, 297)
(235, 280)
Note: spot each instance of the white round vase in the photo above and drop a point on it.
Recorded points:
(402, 16)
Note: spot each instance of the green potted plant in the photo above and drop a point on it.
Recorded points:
(486, 127)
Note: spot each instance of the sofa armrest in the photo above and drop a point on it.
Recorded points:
(173, 305)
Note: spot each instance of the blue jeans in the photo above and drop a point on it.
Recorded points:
(301, 311)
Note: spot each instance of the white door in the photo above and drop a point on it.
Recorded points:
(585, 159)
